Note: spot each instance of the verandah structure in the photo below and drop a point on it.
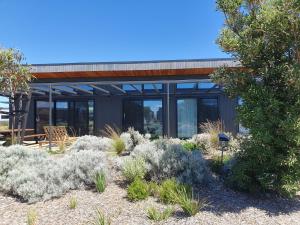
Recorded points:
(159, 97)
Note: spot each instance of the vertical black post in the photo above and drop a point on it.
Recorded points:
(50, 116)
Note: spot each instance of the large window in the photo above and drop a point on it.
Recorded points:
(144, 116)
(77, 116)
(186, 117)
(191, 112)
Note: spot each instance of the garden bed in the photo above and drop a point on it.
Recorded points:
(226, 207)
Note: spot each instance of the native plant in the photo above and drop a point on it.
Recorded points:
(32, 217)
(100, 219)
(264, 37)
(73, 202)
(118, 144)
(100, 182)
(134, 168)
(15, 77)
(137, 190)
(156, 215)
(189, 204)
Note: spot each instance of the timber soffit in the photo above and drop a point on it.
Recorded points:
(134, 65)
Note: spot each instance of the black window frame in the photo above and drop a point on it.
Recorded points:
(197, 97)
(148, 98)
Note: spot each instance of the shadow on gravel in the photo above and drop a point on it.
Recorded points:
(224, 200)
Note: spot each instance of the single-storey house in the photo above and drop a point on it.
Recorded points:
(168, 98)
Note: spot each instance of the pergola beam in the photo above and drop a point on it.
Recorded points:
(132, 85)
(42, 89)
(155, 88)
(118, 88)
(81, 89)
(63, 90)
(99, 89)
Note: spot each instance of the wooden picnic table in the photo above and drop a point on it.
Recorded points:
(7, 133)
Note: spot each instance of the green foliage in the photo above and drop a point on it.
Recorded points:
(100, 182)
(187, 202)
(32, 217)
(137, 190)
(168, 191)
(216, 163)
(189, 146)
(100, 219)
(134, 168)
(156, 215)
(154, 189)
(73, 202)
(118, 145)
(264, 37)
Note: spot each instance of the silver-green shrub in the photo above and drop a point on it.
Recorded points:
(165, 160)
(33, 175)
(134, 168)
(133, 138)
(89, 142)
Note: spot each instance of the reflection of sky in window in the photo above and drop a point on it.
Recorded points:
(3, 101)
(62, 105)
(155, 106)
(206, 85)
(151, 86)
(128, 87)
(186, 85)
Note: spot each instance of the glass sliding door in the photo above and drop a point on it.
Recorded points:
(143, 115)
(153, 117)
(133, 115)
(186, 117)
(61, 113)
(42, 115)
(208, 110)
(77, 116)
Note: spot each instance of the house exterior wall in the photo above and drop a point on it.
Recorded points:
(109, 109)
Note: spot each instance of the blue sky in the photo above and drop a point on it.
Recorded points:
(57, 31)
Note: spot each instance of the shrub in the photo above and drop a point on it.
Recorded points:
(203, 142)
(169, 189)
(156, 215)
(73, 202)
(185, 199)
(100, 219)
(165, 160)
(100, 182)
(34, 175)
(93, 143)
(137, 190)
(133, 138)
(189, 146)
(154, 189)
(216, 164)
(32, 217)
(134, 168)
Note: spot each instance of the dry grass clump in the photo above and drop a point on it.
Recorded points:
(213, 128)
(100, 219)
(32, 217)
(118, 144)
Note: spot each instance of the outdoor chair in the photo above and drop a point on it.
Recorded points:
(57, 134)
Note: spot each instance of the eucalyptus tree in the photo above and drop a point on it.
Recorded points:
(15, 77)
(264, 36)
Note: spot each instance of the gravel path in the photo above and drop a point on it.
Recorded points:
(225, 207)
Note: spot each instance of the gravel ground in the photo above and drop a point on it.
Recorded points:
(225, 207)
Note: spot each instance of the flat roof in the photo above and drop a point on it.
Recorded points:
(131, 68)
